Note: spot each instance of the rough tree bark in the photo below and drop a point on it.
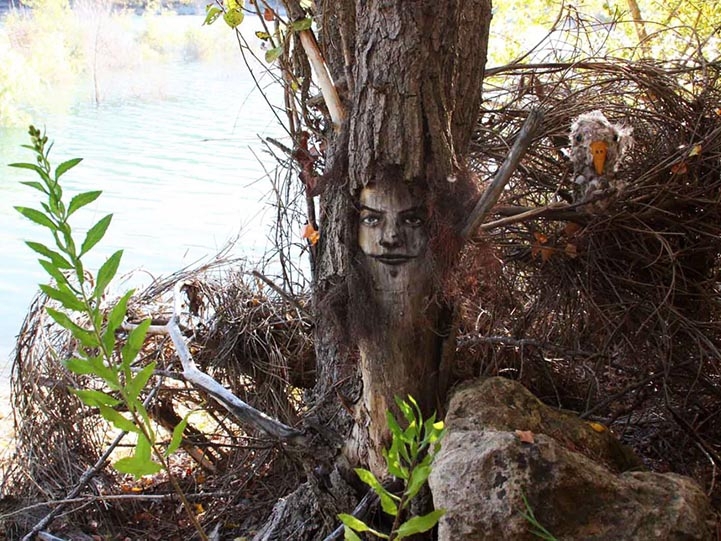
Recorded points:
(413, 72)
(390, 207)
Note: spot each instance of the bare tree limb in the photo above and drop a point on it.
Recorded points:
(325, 83)
(493, 192)
(243, 412)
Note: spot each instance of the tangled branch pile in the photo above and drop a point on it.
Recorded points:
(241, 331)
(615, 313)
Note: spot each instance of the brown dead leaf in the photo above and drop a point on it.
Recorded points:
(571, 228)
(540, 237)
(679, 168)
(571, 250)
(695, 151)
(597, 427)
(526, 436)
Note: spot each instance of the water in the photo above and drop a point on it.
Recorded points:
(171, 150)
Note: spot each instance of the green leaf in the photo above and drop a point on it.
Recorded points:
(94, 398)
(138, 407)
(137, 467)
(419, 475)
(56, 258)
(95, 234)
(137, 384)
(82, 199)
(394, 427)
(35, 185)
(272, 54)
(420, 524)
(134, 343)
(395, 467)
(388, 500)
(350, 535)
(233, 17)
(302, 24)
(406, 410)
(211, 14)
(119, 421)
(177, 438)
(54, 272)
(65, 297)
(86, 338)
(64, 167)
(351, 522)
(94, 366)
(115, 320)
(40, 171)
(37, 217)
(106, 273)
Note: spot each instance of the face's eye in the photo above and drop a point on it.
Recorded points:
(369, 219)
(413, 220)
(579, 138)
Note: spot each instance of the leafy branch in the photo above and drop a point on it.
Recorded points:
(80, 297)
(409, 458)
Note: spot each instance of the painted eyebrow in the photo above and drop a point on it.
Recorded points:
(371, 209)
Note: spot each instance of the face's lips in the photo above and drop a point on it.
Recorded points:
(393, 259)
(598, 150)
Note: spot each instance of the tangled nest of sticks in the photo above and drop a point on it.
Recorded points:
(244, 332)
(613, 314)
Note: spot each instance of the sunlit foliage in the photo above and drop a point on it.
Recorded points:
(630, 29)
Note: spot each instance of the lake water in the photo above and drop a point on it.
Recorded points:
(175, 149)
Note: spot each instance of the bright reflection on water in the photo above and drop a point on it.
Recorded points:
(171, 149)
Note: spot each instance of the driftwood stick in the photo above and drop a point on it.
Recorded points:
(324, 80)
(509, 165)
(245, 413)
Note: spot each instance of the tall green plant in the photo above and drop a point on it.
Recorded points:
(409, 458)
(79, 296)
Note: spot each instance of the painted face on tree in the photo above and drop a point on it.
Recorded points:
(392, 226)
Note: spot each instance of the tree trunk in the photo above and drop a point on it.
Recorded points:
(413, 70)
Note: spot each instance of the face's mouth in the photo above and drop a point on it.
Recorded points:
(393, 259)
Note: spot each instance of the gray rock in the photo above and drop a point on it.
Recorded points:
(571, 475)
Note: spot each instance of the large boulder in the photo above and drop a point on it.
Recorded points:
(503, 445)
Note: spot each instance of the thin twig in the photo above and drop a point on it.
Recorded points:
(87, 476)
(503, 175)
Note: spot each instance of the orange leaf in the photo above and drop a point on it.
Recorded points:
(598, 427)
(269, 14)
(679, 168)
(695, 151)
(311, 233)
(571, 228)
(546, 254)
(540, 237)
(526, 436)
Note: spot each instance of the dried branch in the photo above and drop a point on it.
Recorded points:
(245, 413)
(503, 175)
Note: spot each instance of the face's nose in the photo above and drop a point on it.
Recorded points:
(390, 236)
